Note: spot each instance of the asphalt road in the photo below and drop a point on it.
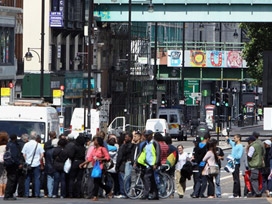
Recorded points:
(174, 200)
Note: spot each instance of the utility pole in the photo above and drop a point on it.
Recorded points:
(90, 57)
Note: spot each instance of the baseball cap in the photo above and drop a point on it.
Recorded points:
(251, 138)
(255, 134)
(148, 132)
(268, 142)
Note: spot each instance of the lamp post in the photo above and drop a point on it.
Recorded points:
(42, 50)
(127, 104)
(90, 57)
(182, 69)
(29, 55)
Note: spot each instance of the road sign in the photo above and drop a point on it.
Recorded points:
(191, 87)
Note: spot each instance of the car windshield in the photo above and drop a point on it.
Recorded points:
(21, 127)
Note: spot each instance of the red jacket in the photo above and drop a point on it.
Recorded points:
(100, 152)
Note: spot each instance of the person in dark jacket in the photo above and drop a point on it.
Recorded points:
(21, 179)
(60, 155)
(76, 173)
(49, 169)
(48, 181)
(12, 170)
(123, 163)
(70, 146)
(198, 154)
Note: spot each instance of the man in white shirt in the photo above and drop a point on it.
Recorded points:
(183, 157)
(33, 154)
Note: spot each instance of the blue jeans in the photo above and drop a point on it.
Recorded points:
(35, 173)
(217, 185)
(128, 168)
(200, 184)
(121, 176)
(59, 177)
(50, 184)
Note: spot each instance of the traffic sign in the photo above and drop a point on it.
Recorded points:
(191, 87)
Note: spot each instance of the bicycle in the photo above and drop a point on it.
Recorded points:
(134, 186)
(164, 181)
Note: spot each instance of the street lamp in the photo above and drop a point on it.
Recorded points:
(29, 55)
(150, 7)
(235, 34)
(219, 29)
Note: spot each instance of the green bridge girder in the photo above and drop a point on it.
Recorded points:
(185, 11)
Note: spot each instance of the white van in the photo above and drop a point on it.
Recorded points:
(98, 121)
(117, 126)
(157, 125)
(175, 120)
(24, 119)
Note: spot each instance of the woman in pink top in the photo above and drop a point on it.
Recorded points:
(211, 159)
(100, 153)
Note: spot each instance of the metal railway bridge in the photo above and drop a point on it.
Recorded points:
(185, 10)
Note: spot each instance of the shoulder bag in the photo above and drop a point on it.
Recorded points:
(213, 170)
(27, 167)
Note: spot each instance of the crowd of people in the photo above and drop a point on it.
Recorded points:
(147, 150)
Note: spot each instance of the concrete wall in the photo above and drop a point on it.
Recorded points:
(32, 34)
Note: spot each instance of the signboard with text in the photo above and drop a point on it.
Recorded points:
(56, 19)
(191, 92)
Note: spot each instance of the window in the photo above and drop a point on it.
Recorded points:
(173, 119)
(6, 45)
(22, 127)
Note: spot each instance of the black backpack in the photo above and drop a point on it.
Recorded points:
(8, 160)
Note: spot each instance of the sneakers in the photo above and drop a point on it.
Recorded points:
(120, 196)
(232, 196)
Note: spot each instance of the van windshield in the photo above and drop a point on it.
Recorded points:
(163, 117)
(22, 127)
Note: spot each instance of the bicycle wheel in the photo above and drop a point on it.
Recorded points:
(134, 186)
(84, 183)
(165, 186)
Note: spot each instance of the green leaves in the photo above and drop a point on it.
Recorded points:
(260, 39)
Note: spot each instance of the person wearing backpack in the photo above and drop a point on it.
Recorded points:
(12, 164)
(3, 172)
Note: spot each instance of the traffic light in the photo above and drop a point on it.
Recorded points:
(226, 99)
(217, 98)
(230, 99)
(98, 100)
(163, 100)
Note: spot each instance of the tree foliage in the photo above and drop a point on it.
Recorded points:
(260, 39)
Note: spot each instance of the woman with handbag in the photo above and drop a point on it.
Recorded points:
(211, 168)
(98, 154)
